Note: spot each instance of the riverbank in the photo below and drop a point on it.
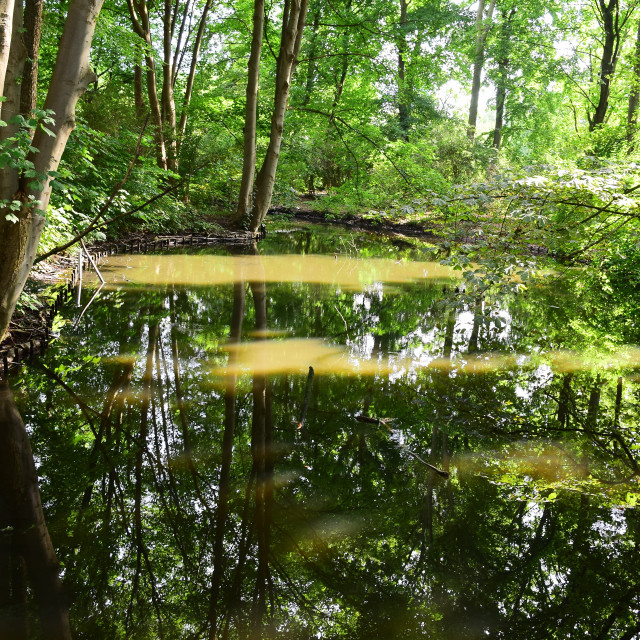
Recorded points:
(51, 284)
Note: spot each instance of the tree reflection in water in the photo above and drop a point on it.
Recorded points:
(185, 503)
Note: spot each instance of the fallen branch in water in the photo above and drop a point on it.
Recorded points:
(440, 472)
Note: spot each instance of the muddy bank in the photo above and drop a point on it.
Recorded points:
(303, 214)
(52, 283)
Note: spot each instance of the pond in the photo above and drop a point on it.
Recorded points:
(319, 438)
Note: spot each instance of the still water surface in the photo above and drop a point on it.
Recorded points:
(442, 472)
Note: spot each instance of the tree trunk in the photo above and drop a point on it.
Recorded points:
(139, 15)
(20, 500)
(312, 67)
(292, 27)
(12, 93)
(33, 31)
(483, 24)
(594, 406)
(403, 103)
(251, 114)
(564, 407)
(138, 94)
(71, 75)
(501, 81)
(168, 101)
(634, 95)
(6, 27)
(610, 14)
(192, 71)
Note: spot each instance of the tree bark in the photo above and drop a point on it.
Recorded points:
(634, 95)
(403, 103)
(292, 26)
(6, 27)
(501, 81)
(483, 24)
(251, 114)
(138, 94)
(564, 408)
(12, 92)
(71, 75)
(610, 15)
(168, 101)
(312, 66)
(192, 71)
(32, 34)
(501, 96)
(139, 14)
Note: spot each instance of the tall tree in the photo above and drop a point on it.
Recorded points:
(403, 106)
(613, 18)
(483, 25)
(178, 42)
(634, 94)
(252, 212)
(25, 183)
(503, 70)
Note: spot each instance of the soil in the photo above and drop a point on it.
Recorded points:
(413, 229)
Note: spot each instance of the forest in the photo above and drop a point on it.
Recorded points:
(359, 355)
(186, 116)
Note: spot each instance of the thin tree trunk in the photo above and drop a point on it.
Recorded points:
(483, 24)
(12, 91)
(501, 95)
(192, 71)
(168, 102)
(251, 114)
(501, 82)
(32, 33)
(138, 93)
(139, 14)
(594, 406)
(448, 334)
(563, 402)
(6, 28)
(71, 76)
(618, 405)
(610, 14)
(634, 95)
(292, 27)
(403, 103)
(312, 66)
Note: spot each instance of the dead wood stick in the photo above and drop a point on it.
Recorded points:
(440, 472)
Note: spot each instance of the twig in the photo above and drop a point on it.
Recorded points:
(360, 133)
(104, 207)
(440, 472)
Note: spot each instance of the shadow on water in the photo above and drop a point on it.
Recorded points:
(28, 560)
(447, 472)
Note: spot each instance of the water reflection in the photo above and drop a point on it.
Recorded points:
(186, 509)
(28, 561)
(208, 270)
